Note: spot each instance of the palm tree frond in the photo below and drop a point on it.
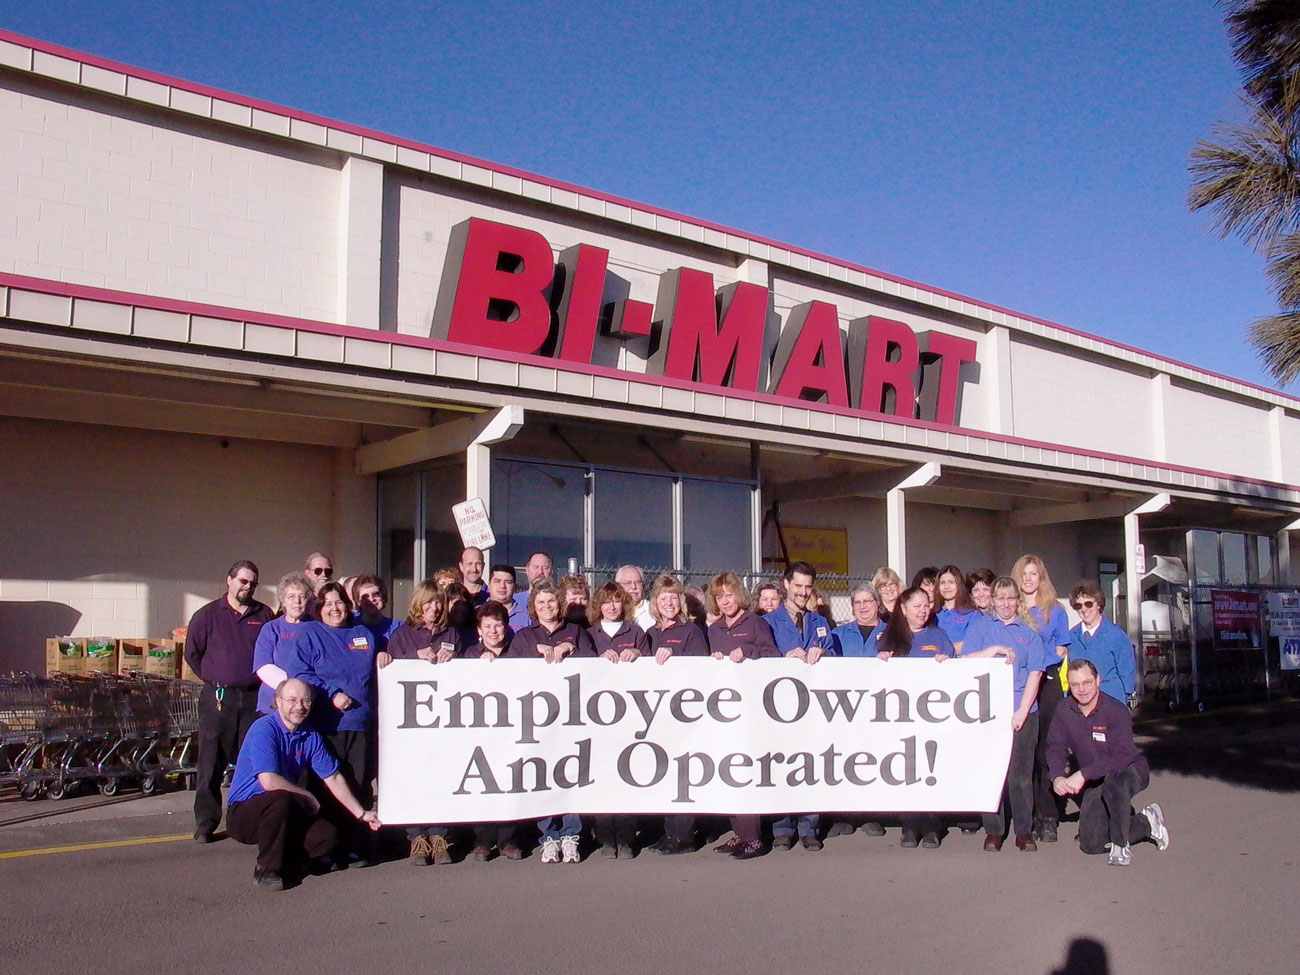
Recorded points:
(1265, 36)
(1249, 178)
(1277, 341)
(1283, 269)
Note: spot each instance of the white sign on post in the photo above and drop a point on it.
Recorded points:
(499, 740)
(1140, 559)
(1284, 623)
(475, 527)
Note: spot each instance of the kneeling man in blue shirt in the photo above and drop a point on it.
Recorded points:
(268, 804)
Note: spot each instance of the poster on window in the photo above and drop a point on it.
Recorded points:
(1284, 624)
(1235, 617)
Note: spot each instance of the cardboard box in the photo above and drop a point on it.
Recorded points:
(101, 655)
(187, 672)
(161, 658)
(65, 655)
(133, 655)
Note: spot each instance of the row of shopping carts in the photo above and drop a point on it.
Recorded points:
(62, 733)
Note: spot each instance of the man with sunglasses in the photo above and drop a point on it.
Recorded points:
(319, 569)
(1108, 647)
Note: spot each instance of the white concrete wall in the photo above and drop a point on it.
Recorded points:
(1218, 433)
(115, 200)
(124, 533)
(1059, 396)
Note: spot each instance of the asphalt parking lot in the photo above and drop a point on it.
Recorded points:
(118, 887)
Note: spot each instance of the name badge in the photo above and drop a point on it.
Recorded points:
(1099, 736)
(360, 643)
(821, 632)
(449, 647)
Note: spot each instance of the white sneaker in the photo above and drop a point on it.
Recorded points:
(569, 846)
(1159, 831)
(550, 851)
(1119, 856)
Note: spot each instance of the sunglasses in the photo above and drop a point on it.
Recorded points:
(322, 572)
(1084, 604)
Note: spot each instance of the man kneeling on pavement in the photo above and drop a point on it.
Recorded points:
(268, 805)
(1092, 733)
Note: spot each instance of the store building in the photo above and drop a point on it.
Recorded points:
(233, 330)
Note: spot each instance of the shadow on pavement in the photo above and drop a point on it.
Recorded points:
(1084, 957)
(1255, 746)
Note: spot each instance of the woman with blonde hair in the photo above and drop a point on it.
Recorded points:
(1053, 625)
(888, 584)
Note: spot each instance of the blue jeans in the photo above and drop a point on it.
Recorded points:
(570, 824)
(807, 824)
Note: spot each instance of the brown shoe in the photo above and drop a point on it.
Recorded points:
(992, 844)
(730, 846)
(512, 852)
(481, 853)
(420, 852)
(438, 849)
(1026, 844)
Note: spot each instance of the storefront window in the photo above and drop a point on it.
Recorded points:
(634, 519)
(398, 512)
(1205, 553)
(715, 525)
(1264, 559)
(444, 486)
(1233, 545)
(537, 507)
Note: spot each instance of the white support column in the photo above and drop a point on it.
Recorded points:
(360, 229)
(896, 513)
(1159, 416)
(1132, 581)
(997, 360)
(1276, 465)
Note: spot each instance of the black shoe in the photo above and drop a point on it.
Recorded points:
(666, 846)
(839, 829)
(609, 851)
(267, 879)
(747, 851)
(1047, 831)
(810, 843)
(873, 829)
(203, 835)
(930, 841)
(782, 842)
(910, 840)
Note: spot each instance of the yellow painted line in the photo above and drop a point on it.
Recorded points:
(106, 845)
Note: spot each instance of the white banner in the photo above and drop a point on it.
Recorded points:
(484, 741)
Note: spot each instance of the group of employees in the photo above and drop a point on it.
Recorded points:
(289, 696)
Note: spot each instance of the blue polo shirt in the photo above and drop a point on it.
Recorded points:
(519, 617)
(1031, 654)
(333, 660)
(381, 630)
(277, 643)
(849, 642)
(931, 642)
(954, 622)
(1054, 628)
(271, 747)
(1111, 652)
(816, 631)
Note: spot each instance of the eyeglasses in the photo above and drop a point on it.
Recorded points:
(1084, 604)
(321, 572)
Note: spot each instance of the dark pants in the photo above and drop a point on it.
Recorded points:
(615, 830)
(680, 828)
(221, 732)
(1047, 805)
(747, 828)
(1018, 789)
(283, 827)
(499, 835)
(1106, 811)
(357, 766)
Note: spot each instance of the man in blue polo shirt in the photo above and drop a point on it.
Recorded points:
(268, 805)
(802, 634)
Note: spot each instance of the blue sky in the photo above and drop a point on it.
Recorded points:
(1029, 154)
